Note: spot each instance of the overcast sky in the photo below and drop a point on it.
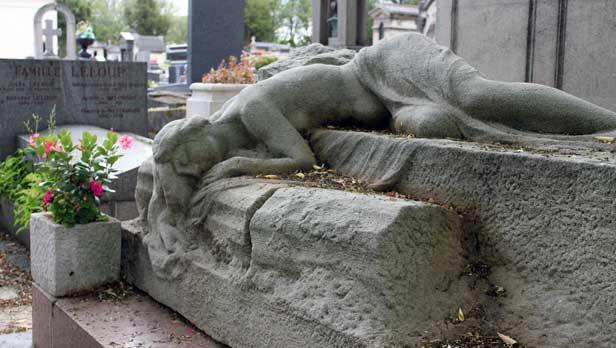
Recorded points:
(181, 7)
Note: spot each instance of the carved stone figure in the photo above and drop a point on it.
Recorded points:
(407, 81)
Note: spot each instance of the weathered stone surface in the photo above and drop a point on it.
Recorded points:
(544, 222)
(407, 81)
(302, 267)
(107, 95)
(7, 293)
(132, 320)
(311, 54)
(160, 116)
(69, 260)
(17, 340)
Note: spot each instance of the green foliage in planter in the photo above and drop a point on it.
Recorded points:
(13, 171)
(28, 200)
(78, 174)
(21, 185)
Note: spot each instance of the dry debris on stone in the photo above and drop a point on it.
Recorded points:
(13, 277)
(16, 310)
(322, 177)
(474, 340)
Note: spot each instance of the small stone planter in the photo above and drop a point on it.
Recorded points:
(65, 260)
(207, 98)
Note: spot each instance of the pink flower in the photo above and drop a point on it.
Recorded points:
(48, 197)
(48, 147)
(96, 188)
(33, 138)
(126, 142)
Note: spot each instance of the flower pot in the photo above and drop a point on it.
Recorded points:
(207, 98)
(67, 260)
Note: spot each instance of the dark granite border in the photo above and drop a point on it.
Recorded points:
(561, 43)
(454, 25)
(531, 40)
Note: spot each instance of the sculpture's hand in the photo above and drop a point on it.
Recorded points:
(219, 171)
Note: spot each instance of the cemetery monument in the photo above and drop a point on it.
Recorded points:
(215, 32)
(275, 265)
(49, 33)
(566, 44)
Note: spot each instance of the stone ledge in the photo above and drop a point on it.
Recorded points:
(134, 321)
(545, 222)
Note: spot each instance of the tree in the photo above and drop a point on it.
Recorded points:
(106, 20)
(296, 17)
(148, 17)
(178, 31)
(260, 20)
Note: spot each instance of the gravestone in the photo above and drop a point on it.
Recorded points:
(567, 44)
(215, 32)
(107, 95)
(49, 32)
(339, 23)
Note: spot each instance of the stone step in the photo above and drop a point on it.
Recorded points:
(134, 320)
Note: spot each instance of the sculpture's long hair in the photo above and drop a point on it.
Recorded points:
(176, 133)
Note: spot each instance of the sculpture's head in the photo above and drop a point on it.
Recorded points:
(189, 145)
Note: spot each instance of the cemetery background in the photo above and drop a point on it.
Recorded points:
(69, 78)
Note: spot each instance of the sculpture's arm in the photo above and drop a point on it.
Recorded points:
(236, 166)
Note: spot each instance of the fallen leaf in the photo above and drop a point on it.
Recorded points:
(607, 140)
(271, 176)
(317, 167)
(460, 315)
(508, 340)
(410, 136)
(300, 175)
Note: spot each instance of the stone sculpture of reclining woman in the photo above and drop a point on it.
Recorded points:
(407, 81)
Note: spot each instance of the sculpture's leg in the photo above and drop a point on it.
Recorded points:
(532, 107)
(429, 120)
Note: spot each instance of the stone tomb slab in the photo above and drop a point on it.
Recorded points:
(103, 94)
(544, 220)
(304, 267)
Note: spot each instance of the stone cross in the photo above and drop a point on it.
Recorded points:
(49, 32)
(71, 51)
